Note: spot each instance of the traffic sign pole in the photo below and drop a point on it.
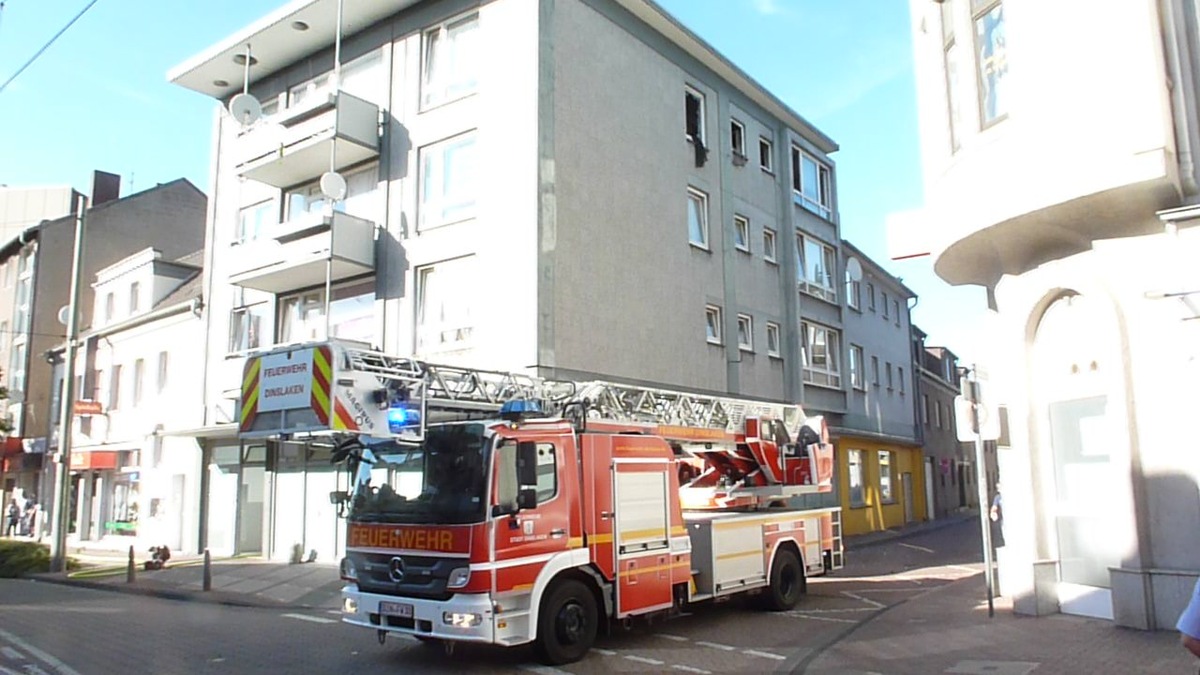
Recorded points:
(973, 395)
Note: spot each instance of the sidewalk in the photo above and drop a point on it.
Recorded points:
(247, 582)
(872, 538)
(947, 630)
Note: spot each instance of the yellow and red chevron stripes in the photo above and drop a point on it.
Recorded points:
(250, 393)
(342, 419)
(320, 384)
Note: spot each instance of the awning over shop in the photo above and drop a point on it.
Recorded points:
(211, 431)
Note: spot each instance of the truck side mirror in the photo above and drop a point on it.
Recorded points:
(526, 464)
(339, 497)
(527, 499)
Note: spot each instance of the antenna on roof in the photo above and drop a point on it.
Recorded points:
(245, 108)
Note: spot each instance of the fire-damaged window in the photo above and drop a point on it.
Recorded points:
(693, 102)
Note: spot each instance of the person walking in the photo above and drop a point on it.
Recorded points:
(997, 516)
(14, 518)
(1189, 623)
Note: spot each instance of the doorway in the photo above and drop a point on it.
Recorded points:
(906, 483)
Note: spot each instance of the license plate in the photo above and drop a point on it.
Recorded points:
(400, 609)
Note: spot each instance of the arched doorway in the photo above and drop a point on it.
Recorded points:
(1083, 449)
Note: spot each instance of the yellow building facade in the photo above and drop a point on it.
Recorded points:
(881, 485)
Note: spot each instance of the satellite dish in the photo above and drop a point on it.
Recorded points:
(245, 109)
(64, 314)
(333, 186)
(854, 269)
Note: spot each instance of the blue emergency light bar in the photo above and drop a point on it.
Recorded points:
(402, 417)
(518, 409)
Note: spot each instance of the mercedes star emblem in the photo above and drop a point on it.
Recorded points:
(396, 569)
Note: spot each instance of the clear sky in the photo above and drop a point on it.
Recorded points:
(99, 99)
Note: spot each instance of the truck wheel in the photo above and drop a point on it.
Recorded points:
(567, 623)
(787, 582)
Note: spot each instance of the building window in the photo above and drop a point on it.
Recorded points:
(900, 378)
(815, 266)
(875, 370)
(451, 61)
(712, 324)
(162, 372)
(693, 105)
(351, 314)
(811, 184)
(745, 327)
(772, 339)
(135, 295)
(697, 218)
(888, 368)
(139, 375)
(445, 299)
(110, 307)
(16, 368)
(853, 293)
(245, 328)
(361, 199)
(871, 296)
(741, 233)
(886, 494)
(854, 471)
(925, 409)
(769, 246)
(256, 220)
(766, 152)
(937, 414)
(856, 368)
(821, 355)
(449, 181)
(896, 311)
(737, 141)
(114, 388)
(885, 306)
(990, 46)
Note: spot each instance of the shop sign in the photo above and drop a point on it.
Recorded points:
(87, 407)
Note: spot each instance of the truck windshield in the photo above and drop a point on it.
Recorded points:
(439, 482)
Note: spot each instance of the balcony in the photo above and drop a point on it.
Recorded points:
(297, 254)
(293, 147)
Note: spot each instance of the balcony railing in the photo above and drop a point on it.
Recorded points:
(299, 253)
(294, 146)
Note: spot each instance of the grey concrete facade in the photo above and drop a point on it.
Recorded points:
(573, 257)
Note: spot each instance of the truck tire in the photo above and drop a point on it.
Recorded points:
(567, 623)
(787, 582)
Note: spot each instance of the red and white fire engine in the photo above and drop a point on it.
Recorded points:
(500, 508)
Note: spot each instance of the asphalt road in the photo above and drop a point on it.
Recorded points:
(47, 628)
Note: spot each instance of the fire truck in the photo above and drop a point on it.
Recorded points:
(501, 508)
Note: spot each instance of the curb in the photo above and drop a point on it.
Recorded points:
(886, 536)
(213, 597)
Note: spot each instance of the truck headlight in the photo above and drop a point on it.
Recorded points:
(347, 570)
(349, 606)
(462, 619)
(459, 577)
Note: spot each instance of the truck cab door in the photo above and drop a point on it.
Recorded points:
(541, 526)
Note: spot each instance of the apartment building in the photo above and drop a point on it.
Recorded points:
(573, 189)
(1066, 186)
(35, 278)
(134, 479)
(950, 462)
(881, 472)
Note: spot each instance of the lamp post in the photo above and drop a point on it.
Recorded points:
(62, 483)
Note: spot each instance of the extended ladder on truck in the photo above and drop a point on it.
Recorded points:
(735, 453)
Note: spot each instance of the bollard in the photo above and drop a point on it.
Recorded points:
(207, 570)
(131, 570)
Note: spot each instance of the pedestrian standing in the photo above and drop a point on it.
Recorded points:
(997, 516)
(1189, 623)
(14, 518)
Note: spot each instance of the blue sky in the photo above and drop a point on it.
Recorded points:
(99, 99)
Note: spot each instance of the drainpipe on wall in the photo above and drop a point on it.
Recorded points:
(1182, 99)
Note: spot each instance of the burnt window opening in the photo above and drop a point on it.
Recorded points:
(694, 114)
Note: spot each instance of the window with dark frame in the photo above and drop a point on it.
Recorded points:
(737, 141)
